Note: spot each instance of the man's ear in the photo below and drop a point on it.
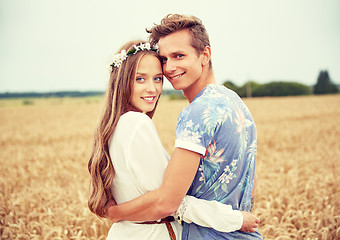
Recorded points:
(206, 55)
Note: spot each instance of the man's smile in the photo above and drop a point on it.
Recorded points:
(176, 76)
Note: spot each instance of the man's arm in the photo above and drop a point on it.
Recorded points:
(165, 200)
(252, 200)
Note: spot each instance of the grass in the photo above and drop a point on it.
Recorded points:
(45, 148)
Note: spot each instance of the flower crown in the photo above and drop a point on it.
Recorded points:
(120, 57)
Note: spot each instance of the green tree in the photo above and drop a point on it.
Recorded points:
(324, 84)
(281, 89)
(231, 85)
(247, 89)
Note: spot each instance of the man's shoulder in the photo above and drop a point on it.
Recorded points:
(214, 93)
(211, 97)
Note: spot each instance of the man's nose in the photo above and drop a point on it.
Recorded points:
(169, 66)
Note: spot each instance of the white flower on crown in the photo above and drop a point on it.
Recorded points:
(119, 58)
(142, 47)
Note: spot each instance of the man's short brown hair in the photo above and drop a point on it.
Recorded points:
(176, 22)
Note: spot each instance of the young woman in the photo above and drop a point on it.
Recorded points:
(129, 160)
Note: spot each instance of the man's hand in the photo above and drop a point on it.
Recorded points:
(109, 204)
(250, 222)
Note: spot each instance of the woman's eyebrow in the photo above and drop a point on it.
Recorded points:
(140, 73)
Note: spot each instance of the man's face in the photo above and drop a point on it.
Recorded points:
(182, 66)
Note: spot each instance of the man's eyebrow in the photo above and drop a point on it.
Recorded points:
(173, 53)
(176, 53)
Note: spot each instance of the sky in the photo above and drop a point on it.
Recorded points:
(66, 45)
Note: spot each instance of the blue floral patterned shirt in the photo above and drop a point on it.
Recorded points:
(218, 125)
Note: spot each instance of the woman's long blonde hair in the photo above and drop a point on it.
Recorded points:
(117, 102)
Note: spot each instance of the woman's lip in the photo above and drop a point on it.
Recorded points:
(149, 98)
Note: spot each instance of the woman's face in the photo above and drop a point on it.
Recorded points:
(148, 84)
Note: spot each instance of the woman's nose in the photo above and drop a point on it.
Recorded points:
(150, 86)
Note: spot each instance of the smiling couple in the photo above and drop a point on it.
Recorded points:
(205, 190)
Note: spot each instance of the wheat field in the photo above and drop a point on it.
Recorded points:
(45, 145)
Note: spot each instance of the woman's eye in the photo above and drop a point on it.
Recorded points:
(179, 55)
(140, 79)
(164, 60)
(158, 79)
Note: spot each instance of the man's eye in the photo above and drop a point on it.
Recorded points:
(164, 60)
(179, 55)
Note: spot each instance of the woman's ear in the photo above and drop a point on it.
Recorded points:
(206, 54)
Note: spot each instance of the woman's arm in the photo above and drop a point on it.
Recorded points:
(216, 215)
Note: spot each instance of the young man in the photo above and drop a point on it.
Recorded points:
(215, 148)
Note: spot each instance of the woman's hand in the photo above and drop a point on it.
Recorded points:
(250, 222)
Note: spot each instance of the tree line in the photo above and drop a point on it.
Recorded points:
(50, 94)
(324, 85)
